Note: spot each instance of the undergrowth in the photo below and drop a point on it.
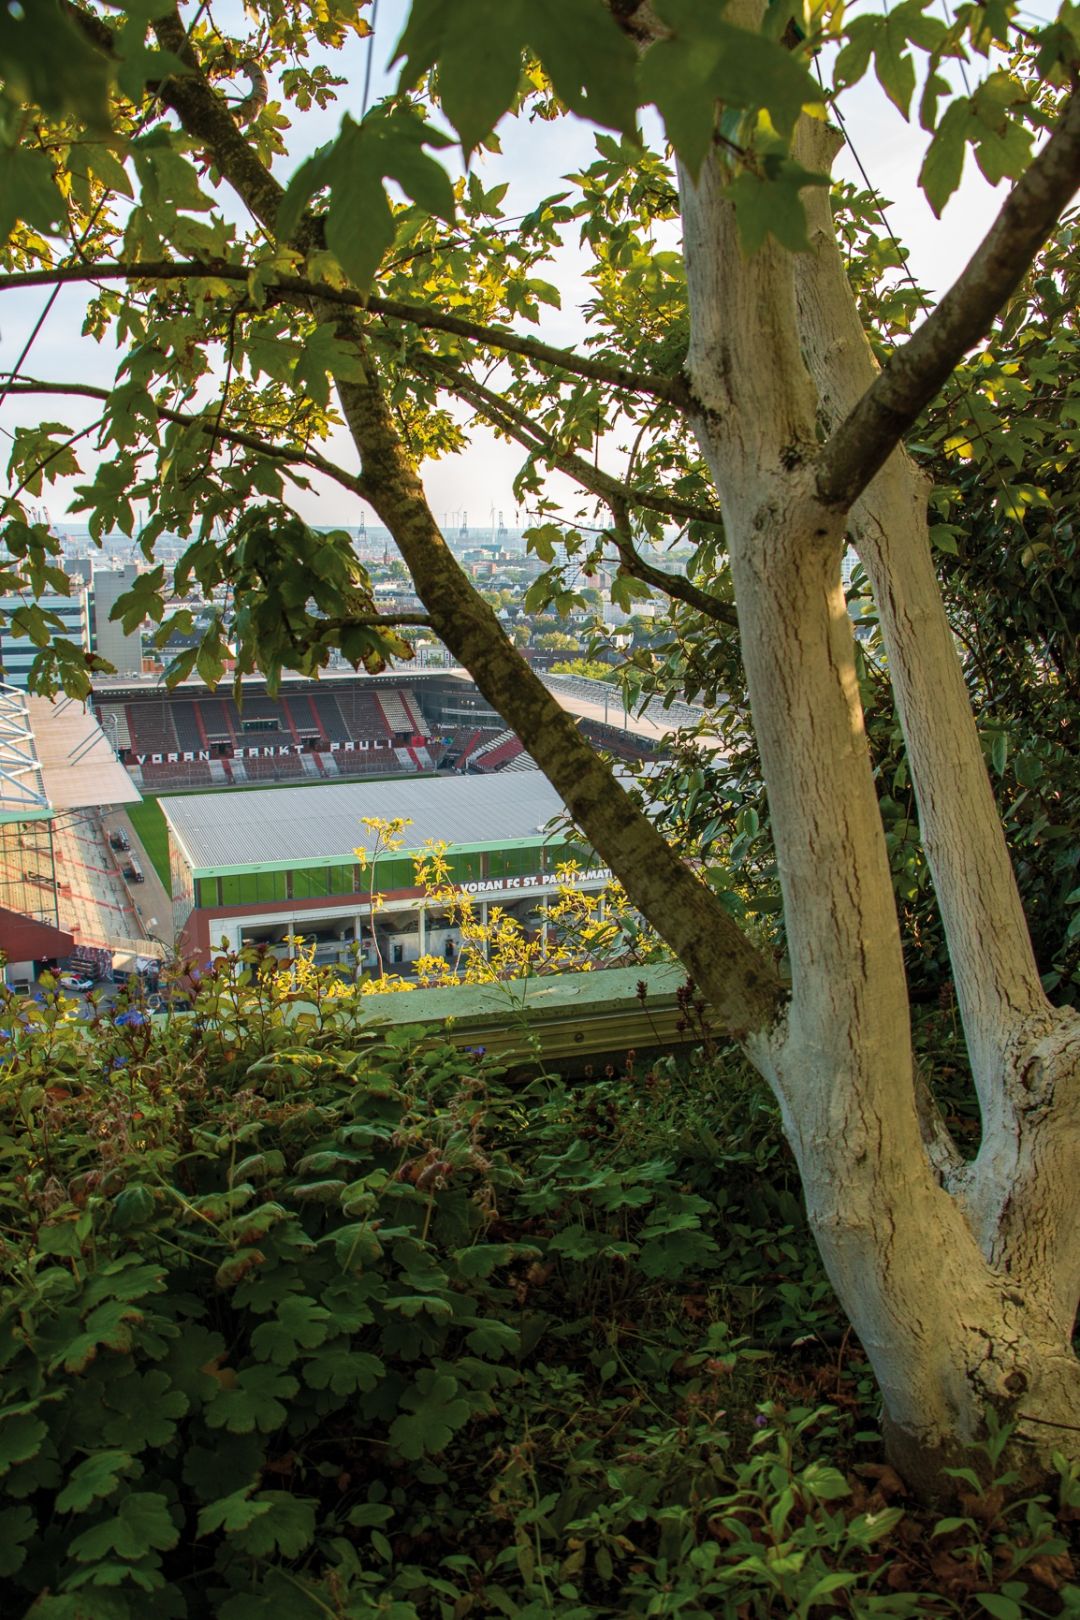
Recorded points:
(310, 1318)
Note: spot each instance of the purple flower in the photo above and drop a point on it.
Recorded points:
(761, 1422)
(132, 1020)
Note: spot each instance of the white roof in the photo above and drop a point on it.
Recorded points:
(77, 762)
(256, 829)
(54, 756)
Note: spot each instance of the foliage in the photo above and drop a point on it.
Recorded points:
(343, 1319)
(581, 930)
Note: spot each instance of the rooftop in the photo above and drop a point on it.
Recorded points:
(54, 756)
(259, 830)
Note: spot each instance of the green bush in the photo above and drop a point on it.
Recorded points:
(336, 1319)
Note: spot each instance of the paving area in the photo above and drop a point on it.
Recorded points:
(152, 902)
(96, 904)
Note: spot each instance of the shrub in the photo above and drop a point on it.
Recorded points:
(302, 1312)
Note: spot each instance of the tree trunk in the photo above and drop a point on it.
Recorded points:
(962, 1333)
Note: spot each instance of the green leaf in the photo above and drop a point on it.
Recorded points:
(96, 1476)
(590, 60)
(17, 1526)
(27, 189)
(480, 65)
(21, 1435)
(343, 1370)
(254, 1401)
(142, 1524)
(300, 1323)
(1002, 1608)
(769, 204)
(231, 1513)
(45, 58)
(433, 1413)
(944, 161)
(481, 1259)
(286, 1526)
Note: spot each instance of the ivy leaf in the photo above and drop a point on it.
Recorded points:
(433, 1413)
(95, 1477)
(141, 1525)
(254, 1401)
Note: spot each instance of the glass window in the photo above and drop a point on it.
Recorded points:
(513, 862)
(311, 883)
(466, 868)
(398, 873)
(230, 891)
(342, 879)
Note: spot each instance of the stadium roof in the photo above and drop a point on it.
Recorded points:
(53, 757)
(22, 791)
(253, 831)
(78, 765)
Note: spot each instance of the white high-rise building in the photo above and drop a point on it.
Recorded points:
(17, 652)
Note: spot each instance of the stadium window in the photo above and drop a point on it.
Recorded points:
(342, 879)
(207, 892)
(466, 868)
(395, 874)
(513, 862)
(310, 883)
(230, 890)
(260, 887)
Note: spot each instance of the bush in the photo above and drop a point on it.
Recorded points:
(302, 1313)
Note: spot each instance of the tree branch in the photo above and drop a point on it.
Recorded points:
(354, 482)
(618, 496)
(914, 373)
(669, 389)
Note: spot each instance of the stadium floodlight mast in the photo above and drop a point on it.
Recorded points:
(748, 370)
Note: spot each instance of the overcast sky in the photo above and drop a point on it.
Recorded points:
(534, 157)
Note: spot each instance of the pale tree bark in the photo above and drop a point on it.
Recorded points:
(962, 1302)
(1022, 1194)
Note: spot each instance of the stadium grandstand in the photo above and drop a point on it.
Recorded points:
(64, 895)
(287, 869)
(348, 726)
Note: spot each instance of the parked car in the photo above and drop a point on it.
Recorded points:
(118, 839)
(76, 981)
(133, 871)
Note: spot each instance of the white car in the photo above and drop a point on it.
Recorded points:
(76, 981)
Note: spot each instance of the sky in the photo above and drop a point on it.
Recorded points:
(534, 158)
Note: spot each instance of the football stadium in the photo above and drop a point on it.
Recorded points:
(152, 822)
(286, 867)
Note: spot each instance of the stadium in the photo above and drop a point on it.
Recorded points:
(124, 837)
